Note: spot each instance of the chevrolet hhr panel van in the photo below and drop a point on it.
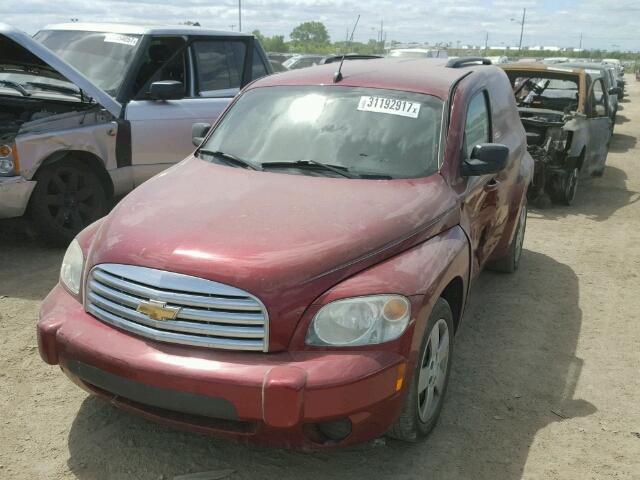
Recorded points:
(300, 278)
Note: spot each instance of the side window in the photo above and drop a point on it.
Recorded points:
(477, 128)
(219, 66)
(258, 69)
(599, 99)
(164, 60)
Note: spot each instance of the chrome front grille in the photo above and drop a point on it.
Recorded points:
(209, 314)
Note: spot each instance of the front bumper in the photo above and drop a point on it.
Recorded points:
(278, 398)
(14, 196)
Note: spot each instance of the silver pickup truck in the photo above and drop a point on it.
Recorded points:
(90, 111)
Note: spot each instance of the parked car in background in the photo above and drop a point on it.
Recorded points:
(302, 61)
(419, 52)
(610, 86)
(553, 60)
(499, 59)
(348, 56)
(329, 230)
(90, 111)
(619, 74)
(277, 67)
(279, 57)
(565, 112)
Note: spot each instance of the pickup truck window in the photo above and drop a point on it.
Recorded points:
(219, 65)
(164, 60)
(478, 126)
(258, 69)
(367, 131)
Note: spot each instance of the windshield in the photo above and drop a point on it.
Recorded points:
(365, 131)
(547, 91)
(101, 57)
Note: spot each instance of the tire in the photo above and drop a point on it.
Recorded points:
(68, 197)
(511, 262)
(417, 419)
(565, 192)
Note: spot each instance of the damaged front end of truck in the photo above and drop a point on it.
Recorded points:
(48, 111)
(551, 105)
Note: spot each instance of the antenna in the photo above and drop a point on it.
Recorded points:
(338, 75)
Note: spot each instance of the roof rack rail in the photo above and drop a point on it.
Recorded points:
(465, 61)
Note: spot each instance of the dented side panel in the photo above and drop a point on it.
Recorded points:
(54, 137)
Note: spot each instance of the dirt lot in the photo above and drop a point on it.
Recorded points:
(545, 385)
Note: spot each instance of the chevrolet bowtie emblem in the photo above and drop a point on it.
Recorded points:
(156, 310)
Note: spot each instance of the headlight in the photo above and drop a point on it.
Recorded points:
(72, 265)
(360, 321)
(7, 163)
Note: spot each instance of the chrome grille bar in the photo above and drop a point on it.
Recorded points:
(210, 314)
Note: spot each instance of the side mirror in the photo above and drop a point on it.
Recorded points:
(486, 158)
(614, 91)
(166, 90)
(198, 132)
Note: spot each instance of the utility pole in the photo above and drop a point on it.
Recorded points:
(239, 15)
(524, 14)
(580, 47)
(486, 43)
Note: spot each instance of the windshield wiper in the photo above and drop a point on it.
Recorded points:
(15, 86)
(55, 88)
(311, 164)
(229, 159)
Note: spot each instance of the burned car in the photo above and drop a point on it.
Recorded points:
(90, 111)
(566, 114)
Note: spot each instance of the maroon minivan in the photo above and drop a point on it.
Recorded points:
(299, 279)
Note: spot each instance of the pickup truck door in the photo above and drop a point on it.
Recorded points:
(599, 125)
(212, 69)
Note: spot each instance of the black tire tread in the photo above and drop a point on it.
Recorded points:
(49, 232)
(408, 426)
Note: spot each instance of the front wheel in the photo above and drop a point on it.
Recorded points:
(68, 197)
(511, 261)
(425, 397)
(566, 191)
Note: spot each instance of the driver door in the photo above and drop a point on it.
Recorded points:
(599, 127)
(212, 71)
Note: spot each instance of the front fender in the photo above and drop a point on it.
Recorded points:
(421, 273)
(96, 139)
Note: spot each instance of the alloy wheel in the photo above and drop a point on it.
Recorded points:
(571, 184)
(433, 371)
(70, 199)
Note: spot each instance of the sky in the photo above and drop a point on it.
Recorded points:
(610, 25)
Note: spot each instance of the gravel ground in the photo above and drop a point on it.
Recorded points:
(545, 380)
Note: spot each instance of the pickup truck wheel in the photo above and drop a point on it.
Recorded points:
(67, 198)
(511, 262)
(426, 392)
(566, 193)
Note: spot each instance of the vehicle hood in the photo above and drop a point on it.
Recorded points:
(18, 48)
(284, 238)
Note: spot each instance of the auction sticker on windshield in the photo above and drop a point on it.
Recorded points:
(389, 106)
(123, 39)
